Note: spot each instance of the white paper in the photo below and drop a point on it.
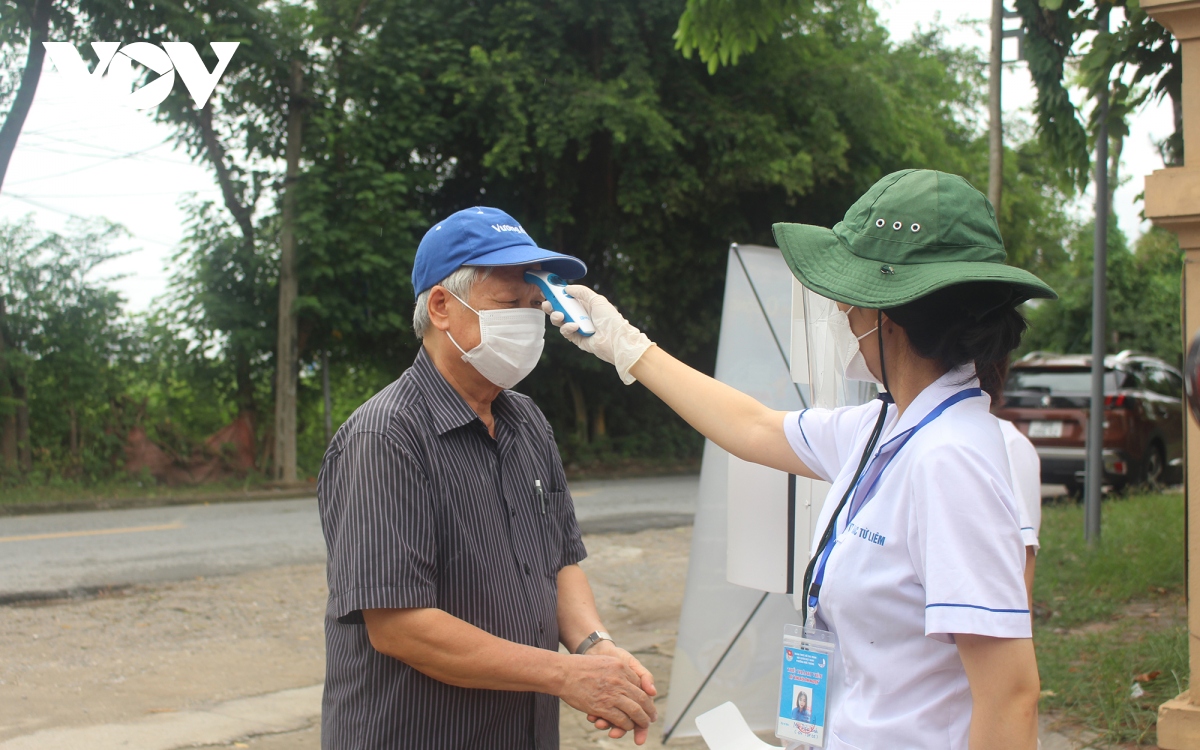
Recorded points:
(724, 728)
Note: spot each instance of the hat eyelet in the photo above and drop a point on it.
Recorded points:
(887, 270)
(916, 227)
(880, 223)
(898, 226)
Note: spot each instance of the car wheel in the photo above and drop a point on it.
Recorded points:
(1074, 490)
(1153, 467)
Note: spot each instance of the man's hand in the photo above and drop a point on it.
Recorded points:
(608, 648)
(612, 690)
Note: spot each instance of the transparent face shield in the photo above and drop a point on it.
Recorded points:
(814, 354)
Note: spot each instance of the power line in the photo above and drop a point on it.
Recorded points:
(140, 157)
(95, 146)
(118, 195)
(92, 166)
(43, 206)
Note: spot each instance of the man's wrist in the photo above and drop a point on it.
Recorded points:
(596, 636)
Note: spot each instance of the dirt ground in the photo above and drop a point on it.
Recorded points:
(141, 651)
(190, 644)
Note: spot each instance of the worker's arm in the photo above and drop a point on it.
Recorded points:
(738, 423)
(731, 419)
(1003, 676)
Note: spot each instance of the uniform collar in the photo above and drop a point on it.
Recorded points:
(449, 410)
(958, 379)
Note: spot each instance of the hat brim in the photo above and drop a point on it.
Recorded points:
(824, 264)
(566, 266)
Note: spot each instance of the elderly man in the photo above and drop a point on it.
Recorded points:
(452, 539)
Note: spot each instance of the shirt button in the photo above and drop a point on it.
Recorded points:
(526, 568)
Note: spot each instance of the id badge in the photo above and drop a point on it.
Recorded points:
(808, 656)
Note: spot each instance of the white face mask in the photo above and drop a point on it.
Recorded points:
(510, 343)
(847, 354)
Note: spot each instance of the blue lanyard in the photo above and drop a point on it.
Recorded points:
(860, 498)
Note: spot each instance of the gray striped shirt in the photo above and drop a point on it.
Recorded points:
(421, 507)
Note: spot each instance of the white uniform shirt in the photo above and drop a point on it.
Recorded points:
(936, 550)
(1025, 468)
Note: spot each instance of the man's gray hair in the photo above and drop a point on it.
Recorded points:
(458, 283)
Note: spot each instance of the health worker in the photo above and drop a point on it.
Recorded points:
(918, 561)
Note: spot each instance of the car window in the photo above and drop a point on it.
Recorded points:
(1164, 382)
(1133, 377)
(1176, 384)
(1060, 381)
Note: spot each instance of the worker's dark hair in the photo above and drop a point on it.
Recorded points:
(972, 322)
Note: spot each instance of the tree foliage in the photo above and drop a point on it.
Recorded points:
(1143, 297)
(1138, 46)
(583, 121)
(721, 31)
(64, 337)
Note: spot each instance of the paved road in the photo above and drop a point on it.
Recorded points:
(77, 552)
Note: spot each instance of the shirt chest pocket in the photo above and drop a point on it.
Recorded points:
(553, 532)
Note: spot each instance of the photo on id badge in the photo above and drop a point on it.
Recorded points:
(802, 696)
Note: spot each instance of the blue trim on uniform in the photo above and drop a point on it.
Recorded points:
(976, 606)
(1026, 528)
(800, 424)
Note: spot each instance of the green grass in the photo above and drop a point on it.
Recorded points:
(56, 489)
(1095, 628)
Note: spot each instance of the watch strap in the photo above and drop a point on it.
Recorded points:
(593, 638)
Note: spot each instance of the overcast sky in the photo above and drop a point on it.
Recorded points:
(88, 161)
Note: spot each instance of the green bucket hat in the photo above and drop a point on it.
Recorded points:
(914, 232)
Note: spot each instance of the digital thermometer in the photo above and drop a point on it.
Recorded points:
(555, 290)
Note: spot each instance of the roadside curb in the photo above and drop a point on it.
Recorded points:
(272, 713)
(123, 503)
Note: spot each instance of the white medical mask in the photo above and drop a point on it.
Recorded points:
(510, 343)
(847, 354)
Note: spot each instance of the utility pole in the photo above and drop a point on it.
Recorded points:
(1095, 437)
(995, 125)
(327, 397)
(287, 358)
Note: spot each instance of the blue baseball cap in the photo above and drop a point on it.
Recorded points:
(483, 236)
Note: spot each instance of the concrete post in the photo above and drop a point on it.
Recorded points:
(1173, 202)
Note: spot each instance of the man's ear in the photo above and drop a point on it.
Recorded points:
(439, 313)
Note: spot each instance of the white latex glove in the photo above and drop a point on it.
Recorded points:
(615, 340)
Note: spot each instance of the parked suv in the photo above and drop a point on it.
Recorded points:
(1047, 397)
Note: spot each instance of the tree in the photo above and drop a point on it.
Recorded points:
(63, 334)
(24, 25)
(583, 122)
(1143, 296)
(254, 118)
(580, 119)
(724, 30)
(33, 18)
(1139, 46)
